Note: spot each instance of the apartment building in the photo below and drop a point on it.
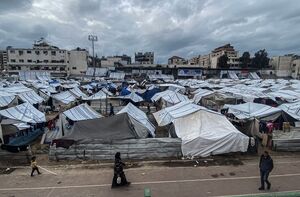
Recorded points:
(176, 60)
(144, 58)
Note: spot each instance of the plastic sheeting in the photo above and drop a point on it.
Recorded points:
(81, 112)
(140, 117)
(78, 93)
(201, 93)
(117, 75)
(204, 133)
(293, 109)
(169, 114)
(6, 99)
(252, 110)
(170, 97)
(97, 72)
(64, 97)
(31, 97)
(34, 75)
(25, 113)
(253, 75)
(133, 97)
(97, 96)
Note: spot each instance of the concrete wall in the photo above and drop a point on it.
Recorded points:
(150, 148)
(77, 62)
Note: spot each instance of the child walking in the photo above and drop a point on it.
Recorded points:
(34, 166)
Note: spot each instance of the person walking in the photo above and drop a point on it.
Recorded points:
(34, 166)
(266, 166)
(119, 178)
(111, 111)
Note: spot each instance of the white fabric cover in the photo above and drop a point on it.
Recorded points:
(78, 93)
(251, 110)
(201, 93)
(81, 112)
(97, 96)
(170, 97)
(140, 117)
(169, 114)
(25, 113)
(293, 109)
(6, 99)
(133, 96)
(117, 75)
(204, 133)
(97, 72)
(31, 97)
(64, 97)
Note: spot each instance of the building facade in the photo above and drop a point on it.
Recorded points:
(176, 60)
(286, 66)
(112, 61)
(46, 57)
(144, 58)
(211, 60)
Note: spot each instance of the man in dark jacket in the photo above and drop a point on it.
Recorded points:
(265, 166)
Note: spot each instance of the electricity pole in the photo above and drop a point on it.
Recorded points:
(93, 38)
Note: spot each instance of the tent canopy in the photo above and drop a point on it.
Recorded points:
(25, 113)
(170, 97)
(116, 127)
(64, 97)
(293, 109)
(81, 112)
(252, 110)
(139, 116)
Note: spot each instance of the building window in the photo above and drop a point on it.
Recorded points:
(61, 69)
(53, 68)
(53, 52)
(28, 52)
(21, 52)
(62, 61)
(21, 60)
(29, 61)
(45, 52)
(46, 61)
(12, 60)
(37, 52)
(74, 68)
(12, 51)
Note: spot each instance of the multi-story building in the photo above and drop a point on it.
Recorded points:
(112, 61)
(211, 60)
(194, 60)
(3, 59)
(144, 58)
(47, 58)
(285, 66)
(176, 60)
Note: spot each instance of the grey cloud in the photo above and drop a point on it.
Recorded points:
(167, 27)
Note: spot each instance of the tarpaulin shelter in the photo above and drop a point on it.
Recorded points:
(139, 119)
(133, 97)
(25, 113)
(78, 93)
(81, 112)
(292, 109)
(64, 97)
(170, 97)
(203, 132)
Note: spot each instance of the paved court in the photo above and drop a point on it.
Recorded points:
(163, 181)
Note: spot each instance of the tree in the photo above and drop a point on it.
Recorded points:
(222, 61)
(245, 59)
(260, 59)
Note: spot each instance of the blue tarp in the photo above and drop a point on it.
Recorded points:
(25, 140)
(124, 92)
(149, 94)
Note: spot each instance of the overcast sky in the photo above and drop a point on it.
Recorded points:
(168, 27)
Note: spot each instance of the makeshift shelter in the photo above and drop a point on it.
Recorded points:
(292, 109)
(78, 93)
(169, 97)
(118, 127)
(139, 119)
(97, 96)
(117, 75)
(253, 75)
(64, 97)
(30, 97)
(97, 72)
(6, 99)
(81, 112)
(25, 113)
(132, 97)
(203, 132)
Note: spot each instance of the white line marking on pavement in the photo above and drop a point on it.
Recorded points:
(47, 170)
(261, 193)
(145, 183)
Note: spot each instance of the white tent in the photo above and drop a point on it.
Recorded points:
(253, 110)
(78, 93)
(253, 75)
(140, 120)
(293, 109)
(64, 97)
(97, 96)
(25, 113)
(170, 97)
(203, 132)
(133, 96)
(31, 97)
(173, 87)
(117, 75)
(167, 115)
(201, 93)
(6, 99)
(81, 112)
